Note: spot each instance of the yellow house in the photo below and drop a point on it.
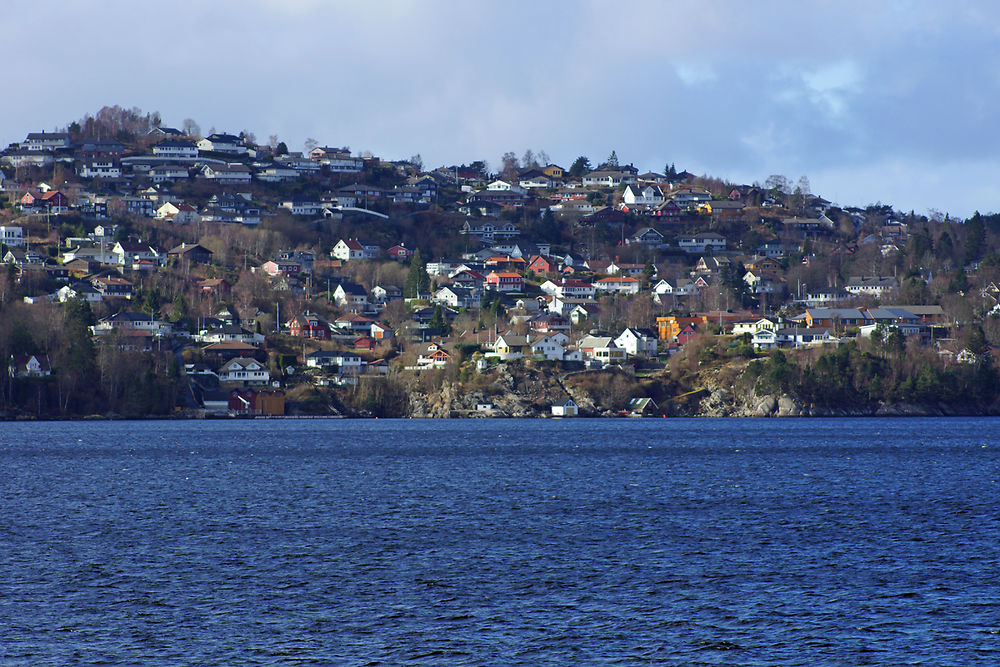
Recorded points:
(553, 171)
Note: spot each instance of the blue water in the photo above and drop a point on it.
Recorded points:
(501, 542)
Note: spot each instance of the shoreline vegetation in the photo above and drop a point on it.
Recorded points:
(156, 272)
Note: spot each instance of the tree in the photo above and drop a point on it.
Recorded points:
(778, 183)
(417, 162)
(310, 144)
(975, 238)
(509, 166)
(580, 166)
(417, 280)
(281, 148)
(191, 128)
(528, 160)
(612, 161)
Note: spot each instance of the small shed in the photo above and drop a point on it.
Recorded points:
(567, 408)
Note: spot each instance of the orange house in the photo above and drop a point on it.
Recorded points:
(668, 328)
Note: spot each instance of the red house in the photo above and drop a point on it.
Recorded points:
(309, 325)
(364, 343)
(504, 281)
(540, 264)
(400, 253)
(686, 334)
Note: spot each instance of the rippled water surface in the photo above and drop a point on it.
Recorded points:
(546, 542)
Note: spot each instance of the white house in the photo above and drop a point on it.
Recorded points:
(617, 285)
(222, 143)
(567, 408)
(230, 174)
(703, 242)
(642, 196)
(570, 288)
(637, 342)
(348, 250)
(350, 296)
(552, 347)
(12, 236)
(245, 370)
(176, 148)
(168, 172)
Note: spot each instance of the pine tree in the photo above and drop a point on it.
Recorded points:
(417, 280)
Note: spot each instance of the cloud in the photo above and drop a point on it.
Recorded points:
(889, 92)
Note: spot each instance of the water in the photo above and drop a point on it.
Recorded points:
(501, 542)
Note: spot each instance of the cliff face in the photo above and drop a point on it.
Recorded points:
(516, 390)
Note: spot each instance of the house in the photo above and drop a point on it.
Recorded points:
(617, 285)
(46, 141)
(280, 267)
(647, 236)
(669, 327)
(217, 287)
(191, 252)
(130, 321)
(509, 346)
(539, 264)
(504, 281)
(876, 286)
(349, 249)
(245, 370)
(380, 332)
(52, 202)
(81, 291)
(275, 173)
(637, 342)
(400, 253)
(569, 288)
(834, 317)
(488, 232)
(802, 336)
(383, 294)
(642, 407)
(703, 242)
(112, 286)
(161, 173)
(309, 325)
(722, 210)
(176, 148)
(764, 339)
(553, 348)
(231, 333)
(567, 408)
(11, 236)
(457, 297)
(433, 356)
(351, 296)
(255, 402)
(130, 252)
(177, 212)
(687, 333)
(608, 178)
(99, 168)
(227, 174)
(343, 363)
(641, 197)
(23, 258)
(601, 349)
(223, 143)
(29, 366)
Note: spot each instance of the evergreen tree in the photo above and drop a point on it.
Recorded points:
(417, 280)
(580, 166)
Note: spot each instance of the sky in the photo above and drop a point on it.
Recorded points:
(894, 102)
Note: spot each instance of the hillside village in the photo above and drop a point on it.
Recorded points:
(152, 270)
